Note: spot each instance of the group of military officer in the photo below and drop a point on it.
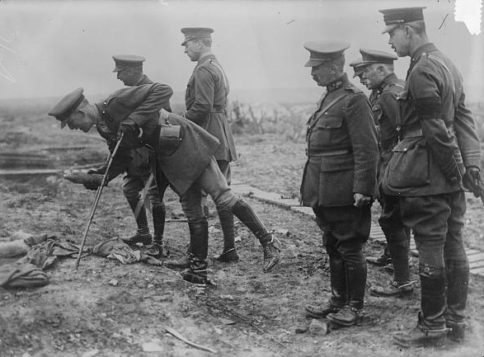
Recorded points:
(421, 152)
(414, 161)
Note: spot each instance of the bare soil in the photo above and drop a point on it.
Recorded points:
(110, 309)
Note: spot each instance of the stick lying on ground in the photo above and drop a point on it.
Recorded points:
(180, 337)
(96, 200)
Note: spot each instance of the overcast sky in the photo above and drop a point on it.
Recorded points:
(50, 48)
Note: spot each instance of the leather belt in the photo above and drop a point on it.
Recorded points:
(331, 153)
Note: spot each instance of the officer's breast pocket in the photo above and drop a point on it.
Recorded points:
(326, 128)
(409, 165)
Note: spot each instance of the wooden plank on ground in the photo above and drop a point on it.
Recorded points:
(475, 257)
(478, 271)
(308, 211)
(477, 264)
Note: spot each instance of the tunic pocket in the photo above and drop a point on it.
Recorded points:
(325, 130)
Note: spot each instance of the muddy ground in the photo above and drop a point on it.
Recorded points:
(110, 309)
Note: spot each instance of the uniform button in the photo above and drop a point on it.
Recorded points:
(454, 180)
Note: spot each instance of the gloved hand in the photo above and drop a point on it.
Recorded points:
(129, 128)
(93, 181)
(471, 180)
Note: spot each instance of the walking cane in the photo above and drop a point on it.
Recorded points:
(96, 200)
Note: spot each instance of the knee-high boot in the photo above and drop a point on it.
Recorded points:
(158, 249)
(248, 217)
(143, 232)
(229, 253)
(430, 329)
(355, 276)
(197, 270)
(457, 273)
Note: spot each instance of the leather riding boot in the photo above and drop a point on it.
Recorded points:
(338, 291)
(248, 217)
(431, 329)
(197, 270)
(420, 336)
(457, 273)
(143, 232)
(355, 291)
(196, 273)
(158, 250)
(229, 253)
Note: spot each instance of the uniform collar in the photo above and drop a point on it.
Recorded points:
(338, 83)
(419, 52)
(390, 79)
(143, 80)
(206, 57)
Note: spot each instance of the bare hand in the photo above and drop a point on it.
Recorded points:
(164, 114)
(361, 200)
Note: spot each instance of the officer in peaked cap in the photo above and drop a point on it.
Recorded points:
(64, 108)
(339, 179)
(129, 68)
(324, 51)
(206, 103)
(196, 33)
(438, 153)
(377, 72)
(396, 17)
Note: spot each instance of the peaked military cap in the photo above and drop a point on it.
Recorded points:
(395, 17)
(127, 61)
(324, 51)
(357, 65)
(195, 33)
(67, 105)
(374, 56)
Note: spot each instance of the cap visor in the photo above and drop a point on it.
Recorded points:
(313, 63)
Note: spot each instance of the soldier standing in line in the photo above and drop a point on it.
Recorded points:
(206, 103)
(439, 147)
(339, 180)
(378, 73)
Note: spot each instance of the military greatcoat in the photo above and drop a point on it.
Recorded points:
(206, 102)
(342, 149)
